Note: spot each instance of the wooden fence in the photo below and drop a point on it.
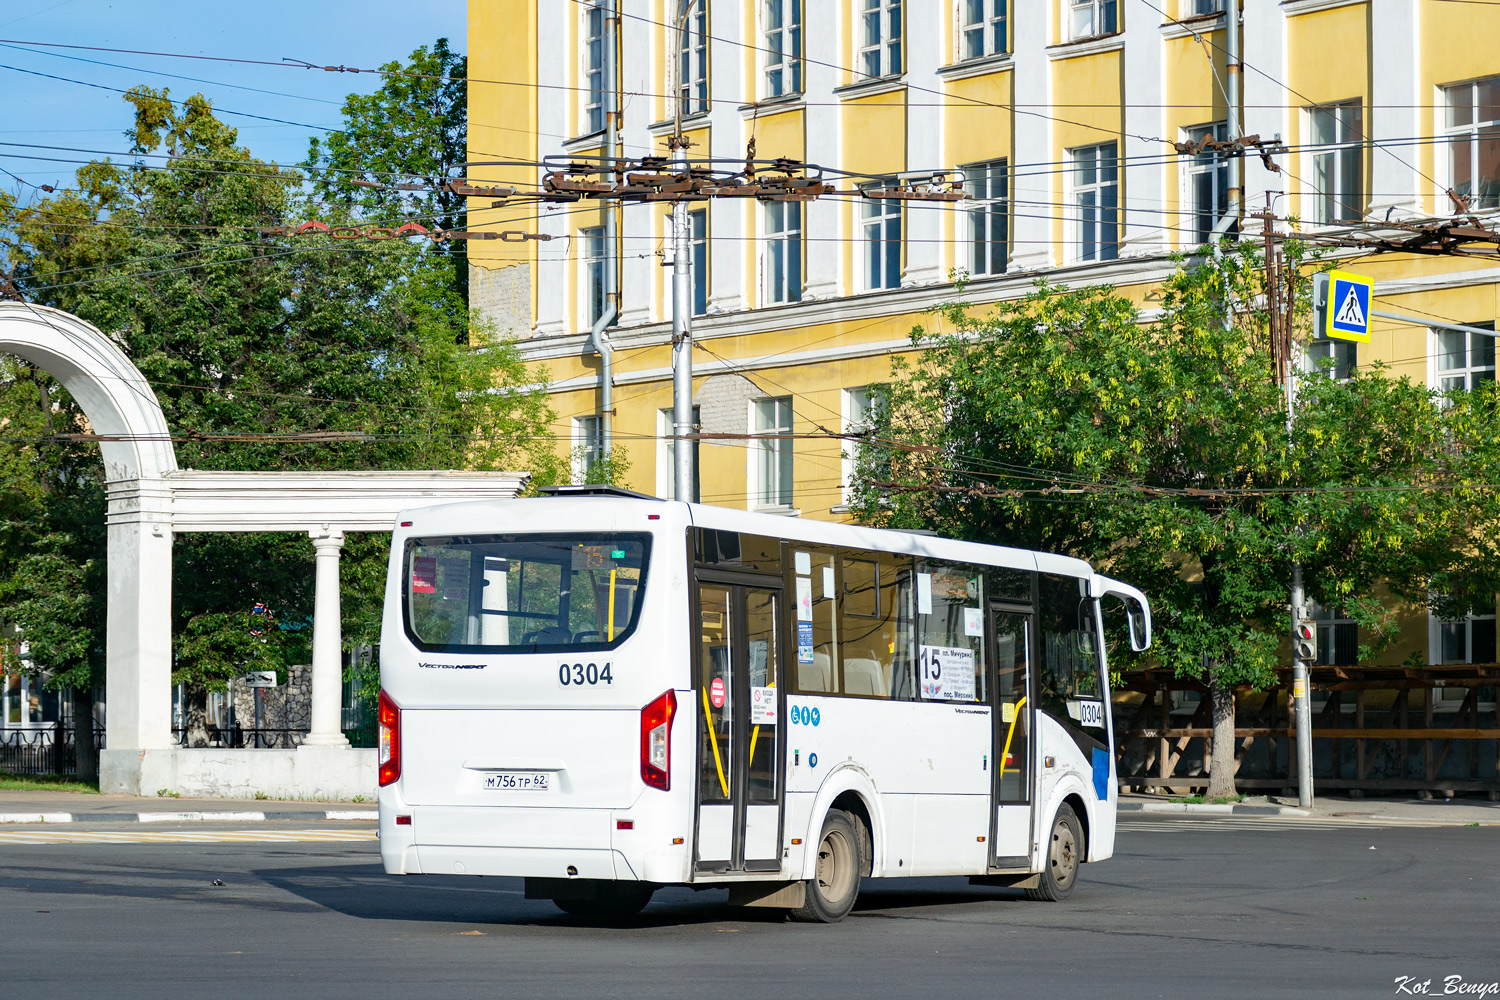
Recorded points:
(1377, 729)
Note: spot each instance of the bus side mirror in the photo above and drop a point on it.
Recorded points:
(1139, 623)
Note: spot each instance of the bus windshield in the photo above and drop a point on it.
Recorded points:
(523, 593)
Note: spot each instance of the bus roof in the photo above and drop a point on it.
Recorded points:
(576, 509)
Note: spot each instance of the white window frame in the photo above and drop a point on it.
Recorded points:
(879, 53)
(979, 214)
(782, 42)
(588, 446)
(1208, 165)
(782, 264)
(1466, 137)
(1090, 18)
(1333, 160)
(767, 441)
(692, 62)
(698, 224)
(1451, 697)
(666, 456)
(1474, 368)
(981, 21)
(593, 257)
(1201, 8)
(591, 55)
(856, 413)
(876, 245)
(1079, 222)
(1344, 354)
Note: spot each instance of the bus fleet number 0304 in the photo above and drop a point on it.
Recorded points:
(583, 675)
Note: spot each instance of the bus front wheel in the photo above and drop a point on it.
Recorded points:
(835, 883)
(1064, 855)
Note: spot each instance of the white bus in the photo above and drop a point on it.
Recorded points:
(606, 693)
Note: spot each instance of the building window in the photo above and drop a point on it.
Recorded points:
(860, 415)
(1336, 357)
(1096, 197)
(666, 457)
(692, 61)
(588, 447)
(771, 429)
(1197, 8)
(698, 238)
(880, 37)
(592, 260)
(593, 67)
(1208, 181)
(1338, 172)
(1092, 17)
(1470, 639)
(1473, 130)
(986, 184)
(1338, 636)
(1465, 359)
(984, 28)
(783, 251)
(880, 237)
(783, 34)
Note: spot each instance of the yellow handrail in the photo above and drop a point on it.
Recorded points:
(713, 739)
(1005, 754)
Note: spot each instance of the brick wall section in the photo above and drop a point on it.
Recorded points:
(502, 297)
(724, 407)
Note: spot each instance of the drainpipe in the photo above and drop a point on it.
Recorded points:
(1232, 124)
(597, 339)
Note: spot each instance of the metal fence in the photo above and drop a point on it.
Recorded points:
(52, 750)
(43, 750)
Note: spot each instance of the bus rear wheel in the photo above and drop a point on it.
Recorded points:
(611, 901)
(1064, 855)
(835, 883)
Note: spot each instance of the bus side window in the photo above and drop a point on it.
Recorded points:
(874, 664)
(816, 659)
(1069, 673)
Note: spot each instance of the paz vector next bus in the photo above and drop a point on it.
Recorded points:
(606, 693)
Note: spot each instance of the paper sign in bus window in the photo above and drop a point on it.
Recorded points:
(804, 599)
(947, 673)
(804, 642)
(762, 706)
(924, 593)
(803, 562)
(424, 575)
(973, 622)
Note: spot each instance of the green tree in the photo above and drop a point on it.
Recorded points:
(265, 352)
(1160, 452)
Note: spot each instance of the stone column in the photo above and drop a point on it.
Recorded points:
(327, 679)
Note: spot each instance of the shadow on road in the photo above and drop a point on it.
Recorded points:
(365, 892)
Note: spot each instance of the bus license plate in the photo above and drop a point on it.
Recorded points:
(518, 781)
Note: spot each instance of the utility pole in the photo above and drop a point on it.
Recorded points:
(1280, 301)
(682, 297)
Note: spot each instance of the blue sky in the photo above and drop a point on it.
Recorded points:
(46, 111)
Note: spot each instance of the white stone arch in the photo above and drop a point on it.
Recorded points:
(138, 456)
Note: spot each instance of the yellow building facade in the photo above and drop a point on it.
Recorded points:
(1063, 117)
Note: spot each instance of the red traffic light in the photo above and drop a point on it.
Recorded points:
(1305, 630)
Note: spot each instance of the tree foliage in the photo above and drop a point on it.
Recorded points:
(266, 353)
(1159, 450)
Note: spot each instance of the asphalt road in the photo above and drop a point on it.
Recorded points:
(1187, 908)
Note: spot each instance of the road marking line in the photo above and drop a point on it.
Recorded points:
(257, 836)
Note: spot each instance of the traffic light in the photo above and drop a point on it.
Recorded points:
(1320, 306)
(1305, 641)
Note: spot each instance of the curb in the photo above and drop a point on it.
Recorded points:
(342, 815)
(1206, 809)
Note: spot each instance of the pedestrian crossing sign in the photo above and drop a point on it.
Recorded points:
(1346, 316)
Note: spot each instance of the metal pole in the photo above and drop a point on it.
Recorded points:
(1301, 704)
(597, 337)
(682, 305)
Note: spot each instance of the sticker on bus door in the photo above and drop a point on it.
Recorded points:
(762, 706)
(1087, 713)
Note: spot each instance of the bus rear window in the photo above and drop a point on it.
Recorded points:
(523, 593)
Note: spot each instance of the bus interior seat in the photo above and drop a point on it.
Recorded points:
(814, 676)
(552, 635)
(862, 676)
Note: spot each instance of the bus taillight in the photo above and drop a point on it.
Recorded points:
(656, 741)
(389, 718)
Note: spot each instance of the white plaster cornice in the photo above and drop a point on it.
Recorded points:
(308, 501)
(773, 106)
(1292, 8)
(1087, 47)
(871, 87)
(1193, 26)
(978, 67)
